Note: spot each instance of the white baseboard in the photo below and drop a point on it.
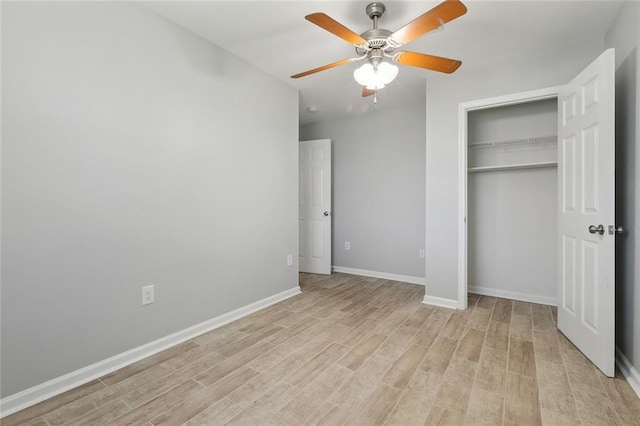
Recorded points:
(51, 388)
(383, 275)
(627, 370)
(544, 300)
(439, 301)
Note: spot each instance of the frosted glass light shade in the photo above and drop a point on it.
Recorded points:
(375, 78)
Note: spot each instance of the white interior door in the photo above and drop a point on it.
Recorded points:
(586, 197)
(314, 184)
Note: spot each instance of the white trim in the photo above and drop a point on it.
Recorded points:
(462, 205)
(383, 275)
(505, 294)
(512, 98)
(51, 388)
(627, 370)
(463, 109)
(439, 301)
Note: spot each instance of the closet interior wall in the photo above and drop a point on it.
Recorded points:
(512, 199)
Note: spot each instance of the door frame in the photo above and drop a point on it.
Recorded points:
(463, 109)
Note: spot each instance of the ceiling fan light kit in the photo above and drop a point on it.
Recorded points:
(377, 44)
(375, 78)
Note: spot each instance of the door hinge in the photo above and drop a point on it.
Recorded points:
(615, 230)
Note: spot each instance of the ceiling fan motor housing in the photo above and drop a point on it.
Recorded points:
(377, 40)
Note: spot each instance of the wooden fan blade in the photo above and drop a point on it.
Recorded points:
(322, 68)
(430, 62)
(441, 14)
(367, 92)
(334, 27)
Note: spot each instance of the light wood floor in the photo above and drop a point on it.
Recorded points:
(359, 351)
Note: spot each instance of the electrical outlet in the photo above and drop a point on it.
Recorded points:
(421, 253)
(347, 245)
(148, 295)
(289, 260)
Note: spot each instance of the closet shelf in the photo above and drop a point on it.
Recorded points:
(512, 167)
(512, 142)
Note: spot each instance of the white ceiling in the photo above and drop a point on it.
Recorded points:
(275, 37)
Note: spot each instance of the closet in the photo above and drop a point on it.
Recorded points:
(512, 201)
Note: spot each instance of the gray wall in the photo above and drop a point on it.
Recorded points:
(444, 93)
(378, 188)
(133, 153)
(625, 37)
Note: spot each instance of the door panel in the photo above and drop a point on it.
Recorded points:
(317, 186)
(568, 179)
(568, 262)
(590, 285)
(586, 179)
(314, 200)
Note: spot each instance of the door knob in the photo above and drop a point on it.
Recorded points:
(326, 213)
(596, 229)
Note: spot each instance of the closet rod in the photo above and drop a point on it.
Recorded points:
(512, 167)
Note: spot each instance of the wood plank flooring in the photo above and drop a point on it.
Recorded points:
(358, 351)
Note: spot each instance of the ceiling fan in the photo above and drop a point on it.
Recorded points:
(378, 43)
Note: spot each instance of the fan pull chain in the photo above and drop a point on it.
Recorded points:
(375, 99)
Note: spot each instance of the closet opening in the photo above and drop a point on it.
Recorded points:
(509, 195)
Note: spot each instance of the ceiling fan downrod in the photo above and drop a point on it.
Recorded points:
(375, 11)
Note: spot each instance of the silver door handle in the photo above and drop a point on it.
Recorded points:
(596, 229)
(326, 213)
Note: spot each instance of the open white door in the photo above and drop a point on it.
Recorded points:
(586, 200)
(314, 197)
